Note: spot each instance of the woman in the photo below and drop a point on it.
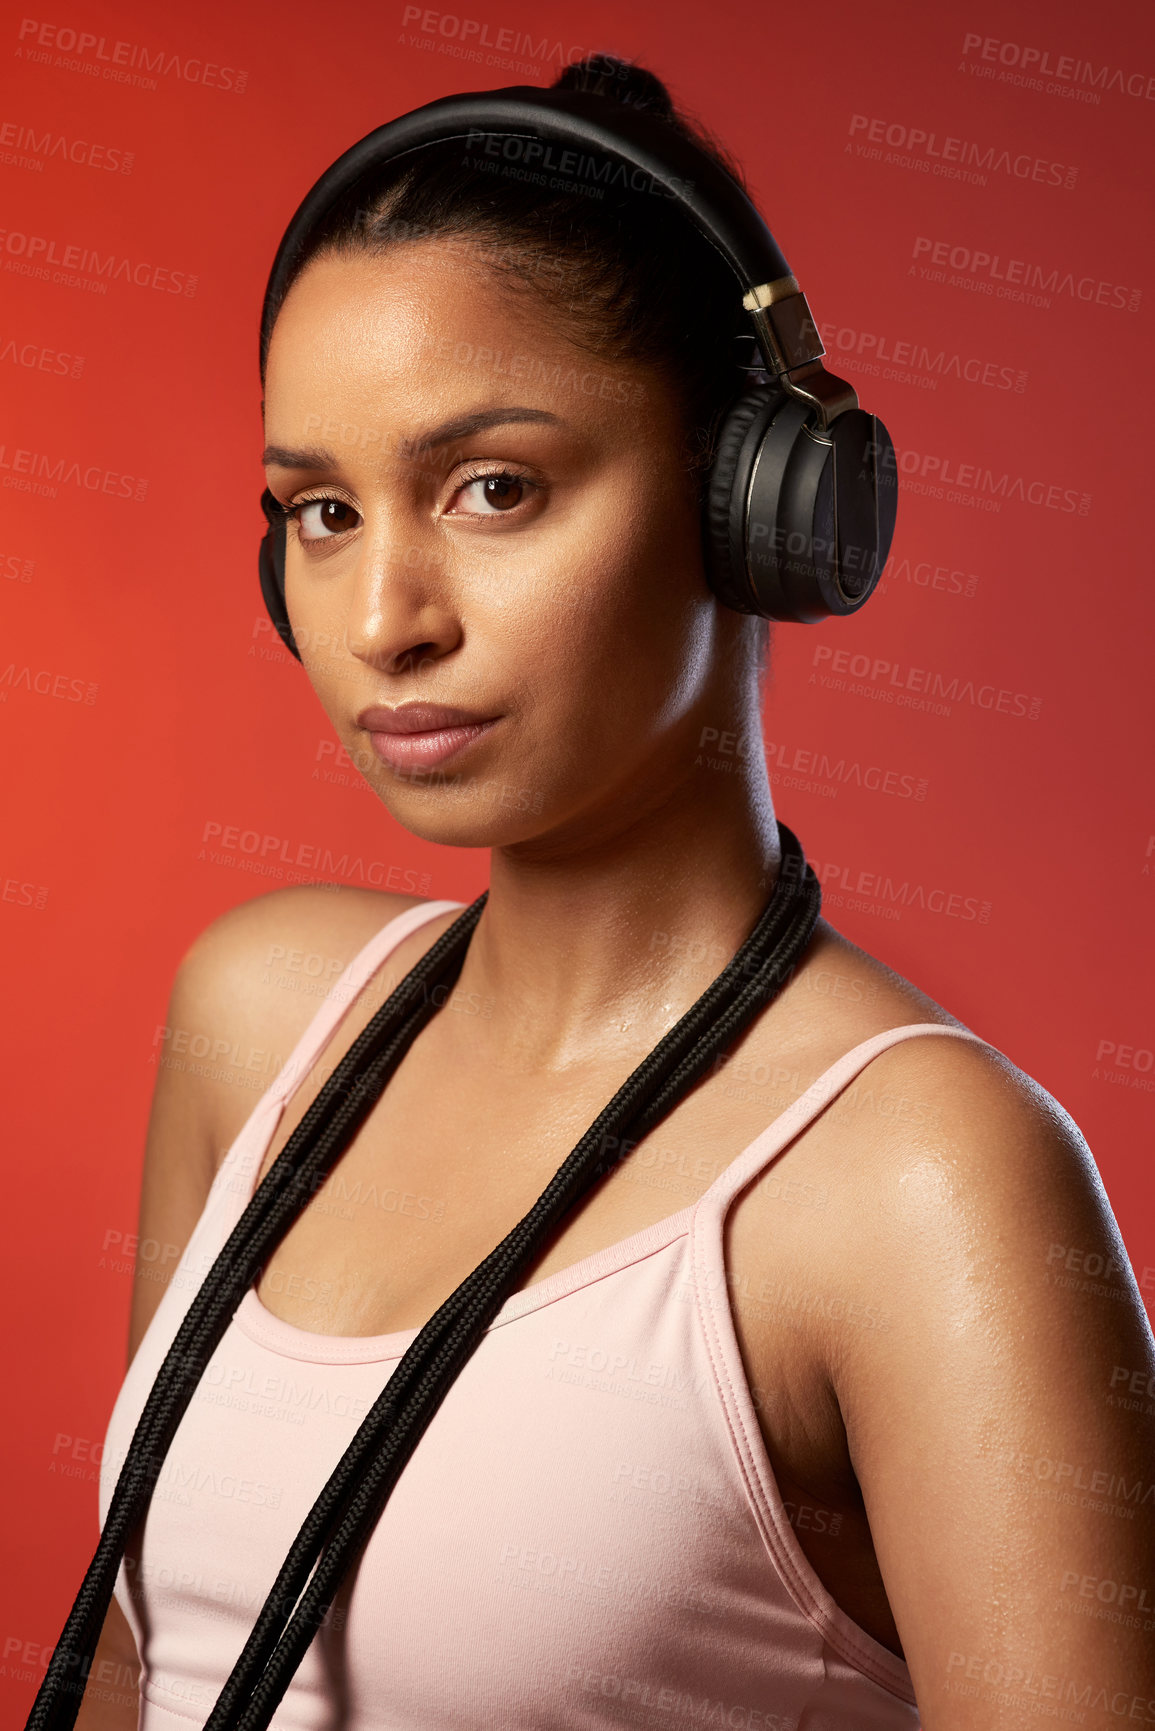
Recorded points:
(792, 1423)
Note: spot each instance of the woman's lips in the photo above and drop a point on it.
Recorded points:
(422, 735)
(425, 750)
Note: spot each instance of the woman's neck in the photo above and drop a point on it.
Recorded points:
(608, 933)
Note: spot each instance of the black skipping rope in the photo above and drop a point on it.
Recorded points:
(297, 1173)
(350, 1504)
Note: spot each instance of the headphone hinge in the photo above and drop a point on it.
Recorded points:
(822, 391)
(787, 334)
(792, 348)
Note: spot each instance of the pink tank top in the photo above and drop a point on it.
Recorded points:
(588, 1535)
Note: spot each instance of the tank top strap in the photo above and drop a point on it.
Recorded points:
(806, 1108)
(343, 991)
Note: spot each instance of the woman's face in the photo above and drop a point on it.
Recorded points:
(493, 564)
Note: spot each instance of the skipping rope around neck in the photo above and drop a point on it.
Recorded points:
(347, 1509)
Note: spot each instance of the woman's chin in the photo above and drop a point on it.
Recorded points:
(474, 819)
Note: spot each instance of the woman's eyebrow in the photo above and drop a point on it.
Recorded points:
(460, 427)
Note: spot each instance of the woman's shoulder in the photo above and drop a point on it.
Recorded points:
(952, 1191)
(842, 997)
(250, 983)
(297, 940)
(335, 920)
(964, 1293)
(939, 1139)
(927, 1112)
(244, 993)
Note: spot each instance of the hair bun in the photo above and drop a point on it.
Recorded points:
(620, 80)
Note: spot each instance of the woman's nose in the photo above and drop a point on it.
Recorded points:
(401, 606)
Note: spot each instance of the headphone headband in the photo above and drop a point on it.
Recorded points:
(800, 502)
(583, 122)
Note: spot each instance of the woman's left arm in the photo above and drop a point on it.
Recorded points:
(1003, 1427)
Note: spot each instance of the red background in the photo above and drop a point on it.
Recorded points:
(143, 697)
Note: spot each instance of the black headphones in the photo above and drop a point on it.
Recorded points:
(801, 498)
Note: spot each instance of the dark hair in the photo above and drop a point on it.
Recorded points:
(626, 271)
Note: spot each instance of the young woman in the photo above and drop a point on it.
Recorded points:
(798, 1421)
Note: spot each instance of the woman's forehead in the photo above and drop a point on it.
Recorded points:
(426, 332)
(408, 291)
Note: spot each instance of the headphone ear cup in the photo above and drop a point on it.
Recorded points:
(271, 567)
(819, 511)
(737, 442)
(798, 521)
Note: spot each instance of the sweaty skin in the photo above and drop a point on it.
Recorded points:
(565, 604)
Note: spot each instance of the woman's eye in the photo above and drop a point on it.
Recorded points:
(489, 495)
(321, 519)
